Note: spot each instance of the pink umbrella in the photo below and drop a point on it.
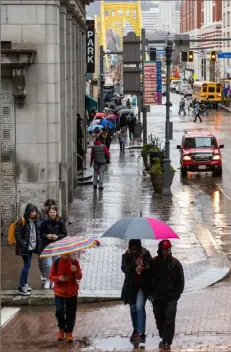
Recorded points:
(140, 228)
(100, 114)
(112, 117)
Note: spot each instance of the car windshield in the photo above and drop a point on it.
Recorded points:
(200, 142)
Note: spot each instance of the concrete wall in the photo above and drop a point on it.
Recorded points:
(45, 127)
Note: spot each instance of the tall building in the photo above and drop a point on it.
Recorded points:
(226, 33)
(201, 19)
(150, 19)
(169, 16)
(43, 84)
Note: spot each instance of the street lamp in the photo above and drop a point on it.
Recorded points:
(167, 162)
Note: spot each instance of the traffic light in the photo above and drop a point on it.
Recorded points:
(213, 56)
(190, 56)
(184, 56)
(152, 54)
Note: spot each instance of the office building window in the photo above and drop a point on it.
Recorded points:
(228, 19)
(228, 42)
(224, 20)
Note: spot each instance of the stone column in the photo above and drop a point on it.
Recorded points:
(74, 100)
(63, 109)
(78, 68)
(69, 127)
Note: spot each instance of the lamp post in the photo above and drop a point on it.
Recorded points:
(167, 162)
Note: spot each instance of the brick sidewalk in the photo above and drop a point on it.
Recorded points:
(126, 193)
(203, 324)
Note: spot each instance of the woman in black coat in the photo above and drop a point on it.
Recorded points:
(136, 264)
(52, 230)
(28, 241)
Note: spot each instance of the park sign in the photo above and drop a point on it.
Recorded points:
(90, 46)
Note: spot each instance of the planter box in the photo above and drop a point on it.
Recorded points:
(154, 155)
(158, 182)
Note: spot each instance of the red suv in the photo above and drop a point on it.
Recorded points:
(200, 151)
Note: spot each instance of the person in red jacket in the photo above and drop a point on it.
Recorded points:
(64, 273)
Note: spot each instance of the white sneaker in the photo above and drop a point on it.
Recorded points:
(28, 288)
(47, 284)
(23, 291)
(42, 278)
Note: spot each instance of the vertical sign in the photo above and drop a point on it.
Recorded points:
(159, 82)
(90, 46)
(150, 83)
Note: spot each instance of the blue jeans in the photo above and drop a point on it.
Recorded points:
(138, 313)
(25, 270)
(48, 264)
(66, 312)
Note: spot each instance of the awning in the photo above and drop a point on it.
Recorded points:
(90, 103)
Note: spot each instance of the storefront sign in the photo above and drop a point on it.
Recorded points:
(90, 46)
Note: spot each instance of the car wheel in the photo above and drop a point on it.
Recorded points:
(184, 172)
(217, 172)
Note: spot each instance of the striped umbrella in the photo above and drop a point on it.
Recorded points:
(68, 245)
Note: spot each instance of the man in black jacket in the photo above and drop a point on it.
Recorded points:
(168, 285)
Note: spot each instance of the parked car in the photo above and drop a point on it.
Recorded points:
(188, 93)
(178, 88)
(184, 87)
(200, 151)
(173, 85)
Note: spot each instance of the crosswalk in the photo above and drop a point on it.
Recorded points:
(7, 314)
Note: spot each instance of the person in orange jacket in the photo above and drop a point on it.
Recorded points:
(64, 273)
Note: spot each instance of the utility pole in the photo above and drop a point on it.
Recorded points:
(168, 125)
(144, 109)
(101, 69)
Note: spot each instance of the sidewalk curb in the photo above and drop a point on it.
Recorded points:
(225, 107)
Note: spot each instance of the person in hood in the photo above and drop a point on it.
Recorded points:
(136, 264)
(168, 285)
(100, 156)
(43, 215)
(52, 230)
(28, 241)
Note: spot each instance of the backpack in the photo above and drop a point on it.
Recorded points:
(12, 228)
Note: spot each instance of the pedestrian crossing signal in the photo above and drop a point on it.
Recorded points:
(190, 56)
(213, 56)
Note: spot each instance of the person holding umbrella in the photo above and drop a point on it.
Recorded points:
(168, 285)
(136, 264)
(64, 273)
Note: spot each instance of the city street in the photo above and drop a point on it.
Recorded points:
(198, 212)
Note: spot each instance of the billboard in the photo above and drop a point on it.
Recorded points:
(90, 46)
(152, 83)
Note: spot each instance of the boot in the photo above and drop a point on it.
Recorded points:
(69, 337)
(60, 336)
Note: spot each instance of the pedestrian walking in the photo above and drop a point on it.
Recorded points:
(52, 230)
(131, 126)
(107, 135)
(128, 104)
(122, 139)
(65, 272)
(100, 155)
(43, 215)
(197, 113)
(168, 285)
(28, 241)
(136, 263)
(182, 107)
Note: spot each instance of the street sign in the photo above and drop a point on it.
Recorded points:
(159, 83)
(150, 76)
(90, 46)
(224, 55)
(203, 53)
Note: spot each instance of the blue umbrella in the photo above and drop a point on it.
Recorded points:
(105, 123)
(92, 128)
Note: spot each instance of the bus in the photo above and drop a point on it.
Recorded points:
(212, 91)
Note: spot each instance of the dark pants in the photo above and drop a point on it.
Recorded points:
(165, 315)
(197, 116)
(25, 269)
(66, 312)
(121, 147)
